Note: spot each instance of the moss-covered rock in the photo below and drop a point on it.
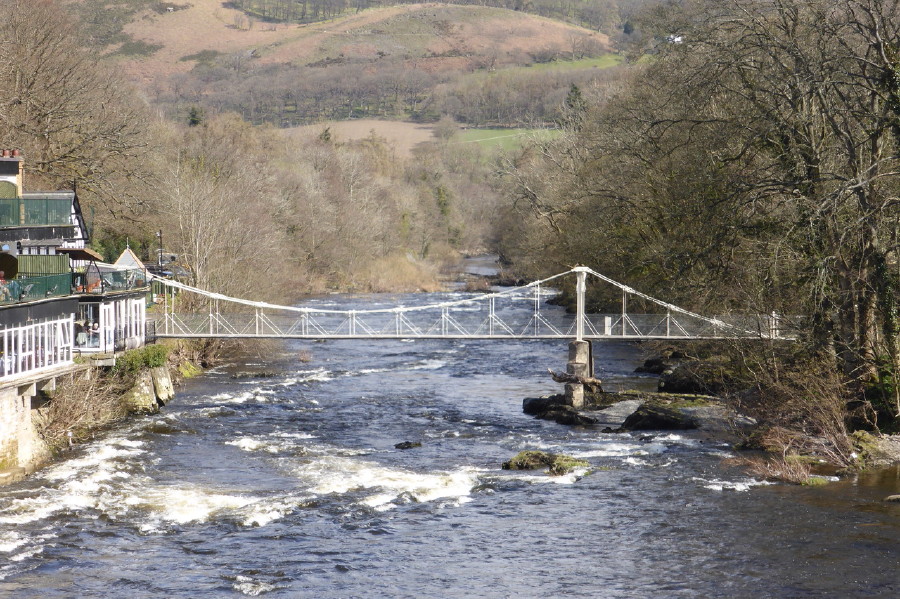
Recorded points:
(556, 464)
(188, 370)
(141, 398)
(876, 451)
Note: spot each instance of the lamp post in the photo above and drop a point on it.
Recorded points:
(159, 256)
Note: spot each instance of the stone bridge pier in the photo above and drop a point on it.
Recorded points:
(580, 364)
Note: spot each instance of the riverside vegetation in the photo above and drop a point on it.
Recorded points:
(90, 400)
(749, 166)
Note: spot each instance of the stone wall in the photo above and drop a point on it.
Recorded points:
(21, 448)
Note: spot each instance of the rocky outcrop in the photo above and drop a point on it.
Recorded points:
(407, 445)
(641, 410)
(654, 417)
(162, 384)
(152, 388)
(554, 408)
(261, 374)
(141, 398)
(877, 451)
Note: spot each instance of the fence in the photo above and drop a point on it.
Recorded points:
(27, 289)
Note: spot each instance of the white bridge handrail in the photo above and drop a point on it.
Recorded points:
(582, 326)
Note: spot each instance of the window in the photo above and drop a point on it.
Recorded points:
(9, 213)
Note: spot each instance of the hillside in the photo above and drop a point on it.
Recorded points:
(440, 35)
(397, 62)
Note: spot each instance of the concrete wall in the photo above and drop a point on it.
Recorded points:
(21, 448)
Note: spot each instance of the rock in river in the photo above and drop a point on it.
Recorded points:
(654, 417)
(554, 408)
(557, 464)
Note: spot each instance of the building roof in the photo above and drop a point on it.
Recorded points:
(129, 258)
(86, 254)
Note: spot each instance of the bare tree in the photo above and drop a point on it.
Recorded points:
(75, 120)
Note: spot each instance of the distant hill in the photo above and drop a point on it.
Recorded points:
(601, 15)
(395, 62)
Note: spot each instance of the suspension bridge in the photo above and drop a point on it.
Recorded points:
(513, 313)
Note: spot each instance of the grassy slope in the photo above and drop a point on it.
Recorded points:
(401, 136)
(504, 139)
(437, 33)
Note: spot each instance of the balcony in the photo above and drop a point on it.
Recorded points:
(93, 281)
(29, 289)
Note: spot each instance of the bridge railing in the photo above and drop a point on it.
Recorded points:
(517, 312)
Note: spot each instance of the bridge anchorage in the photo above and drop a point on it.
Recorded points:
(189, 312)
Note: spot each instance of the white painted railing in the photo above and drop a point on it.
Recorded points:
(496, 315)
(36, 347)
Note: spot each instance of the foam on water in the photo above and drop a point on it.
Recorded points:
(185, 504)
(730, 485)
(10, 541)
(569, 478)
(428, 365)
(252, 587)
(342, 475)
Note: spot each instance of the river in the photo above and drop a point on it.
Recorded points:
(291, 486)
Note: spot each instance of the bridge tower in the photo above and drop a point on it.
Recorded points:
(581, 362)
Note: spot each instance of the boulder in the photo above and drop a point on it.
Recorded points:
(554, 408)
(695, 377)
(141, 398)
(407, 445)
(658, 417)
(262, 374)
(162, 384)
(538, 405)
(877, 451)
(567, 415)
(656, 365)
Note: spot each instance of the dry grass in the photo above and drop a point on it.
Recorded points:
(400, 136)
(80, 406)
(801, 403)
(786, 469)
(398, 273)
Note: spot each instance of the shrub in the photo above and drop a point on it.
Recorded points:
(150, 356)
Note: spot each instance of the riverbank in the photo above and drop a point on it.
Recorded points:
(40, 424)
(796, 433)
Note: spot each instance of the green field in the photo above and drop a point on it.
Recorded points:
(606, 61)
(502, 139)
(601, 62)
